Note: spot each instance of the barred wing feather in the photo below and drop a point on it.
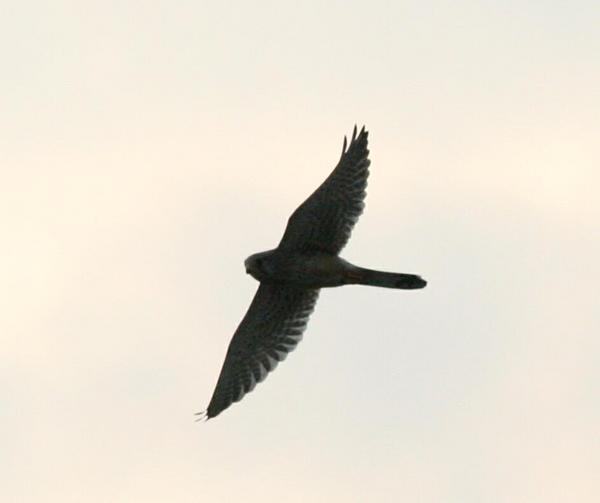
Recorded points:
(272, 327)
(324, 222)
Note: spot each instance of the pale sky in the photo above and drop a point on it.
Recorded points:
(147, 148)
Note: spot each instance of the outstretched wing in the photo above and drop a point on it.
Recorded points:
(325, 220)
(271, 328)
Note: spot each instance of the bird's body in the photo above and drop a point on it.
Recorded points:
(301, 270)
(291, 275)
(321, 270)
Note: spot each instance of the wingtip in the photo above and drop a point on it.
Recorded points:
(201, 416)
(344, 146)
(363, 132)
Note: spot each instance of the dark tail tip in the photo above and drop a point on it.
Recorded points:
(410, 282)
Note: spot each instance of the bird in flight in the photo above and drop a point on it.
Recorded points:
(291, 275)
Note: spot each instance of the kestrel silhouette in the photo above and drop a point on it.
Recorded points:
(291, 275)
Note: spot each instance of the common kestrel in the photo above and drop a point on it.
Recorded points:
(306, 260)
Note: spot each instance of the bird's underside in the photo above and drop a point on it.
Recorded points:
(291, 276)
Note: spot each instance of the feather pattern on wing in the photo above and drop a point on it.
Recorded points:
(272, 327)
(324, 222)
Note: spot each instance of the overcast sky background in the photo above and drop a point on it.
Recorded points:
(147, 148)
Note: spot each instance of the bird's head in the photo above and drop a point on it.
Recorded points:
(260, 266)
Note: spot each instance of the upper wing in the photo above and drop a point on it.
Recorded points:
(271, 328)
(325, 220)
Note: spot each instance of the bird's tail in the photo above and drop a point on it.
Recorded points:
(361, 276)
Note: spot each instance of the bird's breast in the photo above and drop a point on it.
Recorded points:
(314, 271)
